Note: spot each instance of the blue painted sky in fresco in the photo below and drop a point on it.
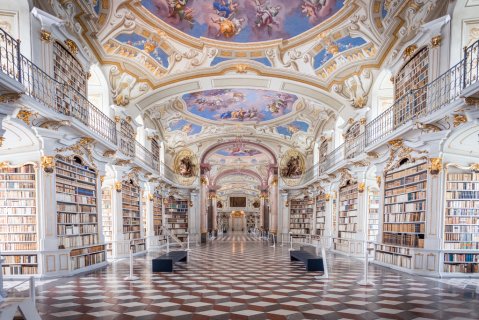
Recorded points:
(235, 152)
(291, 20)
(290, 128)
(138, 41)
(185, 126)
(344, 44)
(239, 104)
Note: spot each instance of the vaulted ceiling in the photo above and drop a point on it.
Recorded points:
(277, 73)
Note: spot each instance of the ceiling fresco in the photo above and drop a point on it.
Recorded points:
(334, 47)
(147, 45)
(239, 105)
(235, 151)
(243, 20)
(292, 128)
(185, 126)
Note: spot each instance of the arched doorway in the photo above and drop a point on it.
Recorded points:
(238, 221)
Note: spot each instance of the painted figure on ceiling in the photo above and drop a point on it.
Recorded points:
(228, 27)
(225, 8)
(186, 167)
(293, 168)
(312, 8)
(266, 15)
(178, 9)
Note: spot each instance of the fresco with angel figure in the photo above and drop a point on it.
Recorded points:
(239, 105)
(243, 20)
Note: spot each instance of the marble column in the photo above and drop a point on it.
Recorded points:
(274, 206)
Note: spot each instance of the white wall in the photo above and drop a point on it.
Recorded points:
(464, 27)
(15, 19)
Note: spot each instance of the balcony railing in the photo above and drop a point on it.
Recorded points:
(416, 104)
(54, 95)
(9, 55)
(146, 156)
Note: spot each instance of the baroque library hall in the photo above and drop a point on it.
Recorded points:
(239, 159)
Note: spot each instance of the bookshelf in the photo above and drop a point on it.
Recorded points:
(373, 215)
(130, 198)
(320, 214)
(300, 216)
(177, 218)
(68, 70)
(107, 222)
(18, 220)
(461, 222)
(404, 216)
(157, 214)
(77, 217)
(348, 215)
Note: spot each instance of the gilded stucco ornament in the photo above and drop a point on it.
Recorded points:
(47, 163)
(24, 115)
(409, 51)
(83, 146)
(186, 166)
(435, 165)
(2, 140)
(361, 187)
(72, 46)
(118, 186)
(46, 36)
(378, 180)
(436, 41)
(10, 97)
(459, 119)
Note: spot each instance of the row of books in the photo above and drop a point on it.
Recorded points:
(17, 259)
(462, 268)
(67, 230)
(18, 246)
(15, 185)
(461, 220)
(78, 241)
(18, 237)
(348, 220)
(410, 188)
(88, 260)
(463, 237)
(462, 195)
(87, 250)
(16, 177)
(405, 227)
(406, 181)
(420, 195)
(404, 207)
(468, 204)
(460, 228)
(4, 228)
(461, 257)
(8, 194)
(461, 246)
(346, 235)
(349, 207)
(466, 176)
(23, 211)
(407, 240)
(14, 270)
(8, 203)
(297, 220)
(390, 258)
(462, 212)
(405, 217)
(75, 218)
(347, 227)
(6, 171)
(461, 186)
(393, 249)
(406, 172)
(75, 168)
(62, 197)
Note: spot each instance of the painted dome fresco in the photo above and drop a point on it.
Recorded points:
(239, 105)
(243, 20)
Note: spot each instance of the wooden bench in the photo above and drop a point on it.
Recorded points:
(165, 262)
(311, 261)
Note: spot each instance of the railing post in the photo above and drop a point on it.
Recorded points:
(32, 290)
(19, 62)
(464, 77)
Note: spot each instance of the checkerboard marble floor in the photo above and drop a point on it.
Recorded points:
(243, 279)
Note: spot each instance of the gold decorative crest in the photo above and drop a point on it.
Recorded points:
(186, 166)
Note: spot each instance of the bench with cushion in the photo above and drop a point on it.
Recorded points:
(311, 261)
(165, 262)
